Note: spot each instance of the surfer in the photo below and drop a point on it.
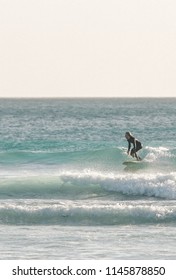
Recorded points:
(136, 145)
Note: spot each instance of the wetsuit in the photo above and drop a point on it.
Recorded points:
(136, 146)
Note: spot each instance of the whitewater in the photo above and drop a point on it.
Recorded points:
(64, 191)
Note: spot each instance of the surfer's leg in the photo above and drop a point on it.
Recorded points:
(139, 158)
(133, 153)
(137, 149)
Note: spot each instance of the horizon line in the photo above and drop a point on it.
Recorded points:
(88, 97)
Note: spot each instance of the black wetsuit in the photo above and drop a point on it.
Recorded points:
(136, 145)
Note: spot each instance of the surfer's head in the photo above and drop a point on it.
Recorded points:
(128, 135)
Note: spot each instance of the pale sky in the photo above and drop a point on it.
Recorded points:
(87, 48)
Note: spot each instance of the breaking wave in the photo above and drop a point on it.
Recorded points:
(45, 212)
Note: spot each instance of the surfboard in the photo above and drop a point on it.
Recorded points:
(132, 162)
(134, 165)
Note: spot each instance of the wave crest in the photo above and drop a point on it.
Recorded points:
(88, 183)
(87, 213)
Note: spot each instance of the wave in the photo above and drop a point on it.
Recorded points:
(109, 158)
(74, 213)
(131, 185)
(110, 155)
(88, 183)
(156, 153)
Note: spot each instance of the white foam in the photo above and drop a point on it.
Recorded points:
(156, 153)
(152, 185)
(86, 212)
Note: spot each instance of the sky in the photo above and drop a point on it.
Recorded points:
(87, 48)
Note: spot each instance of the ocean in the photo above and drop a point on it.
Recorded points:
(64, 191)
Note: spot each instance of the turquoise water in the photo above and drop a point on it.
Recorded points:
(64, 191)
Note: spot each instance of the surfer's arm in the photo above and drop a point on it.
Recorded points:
(129, 147)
